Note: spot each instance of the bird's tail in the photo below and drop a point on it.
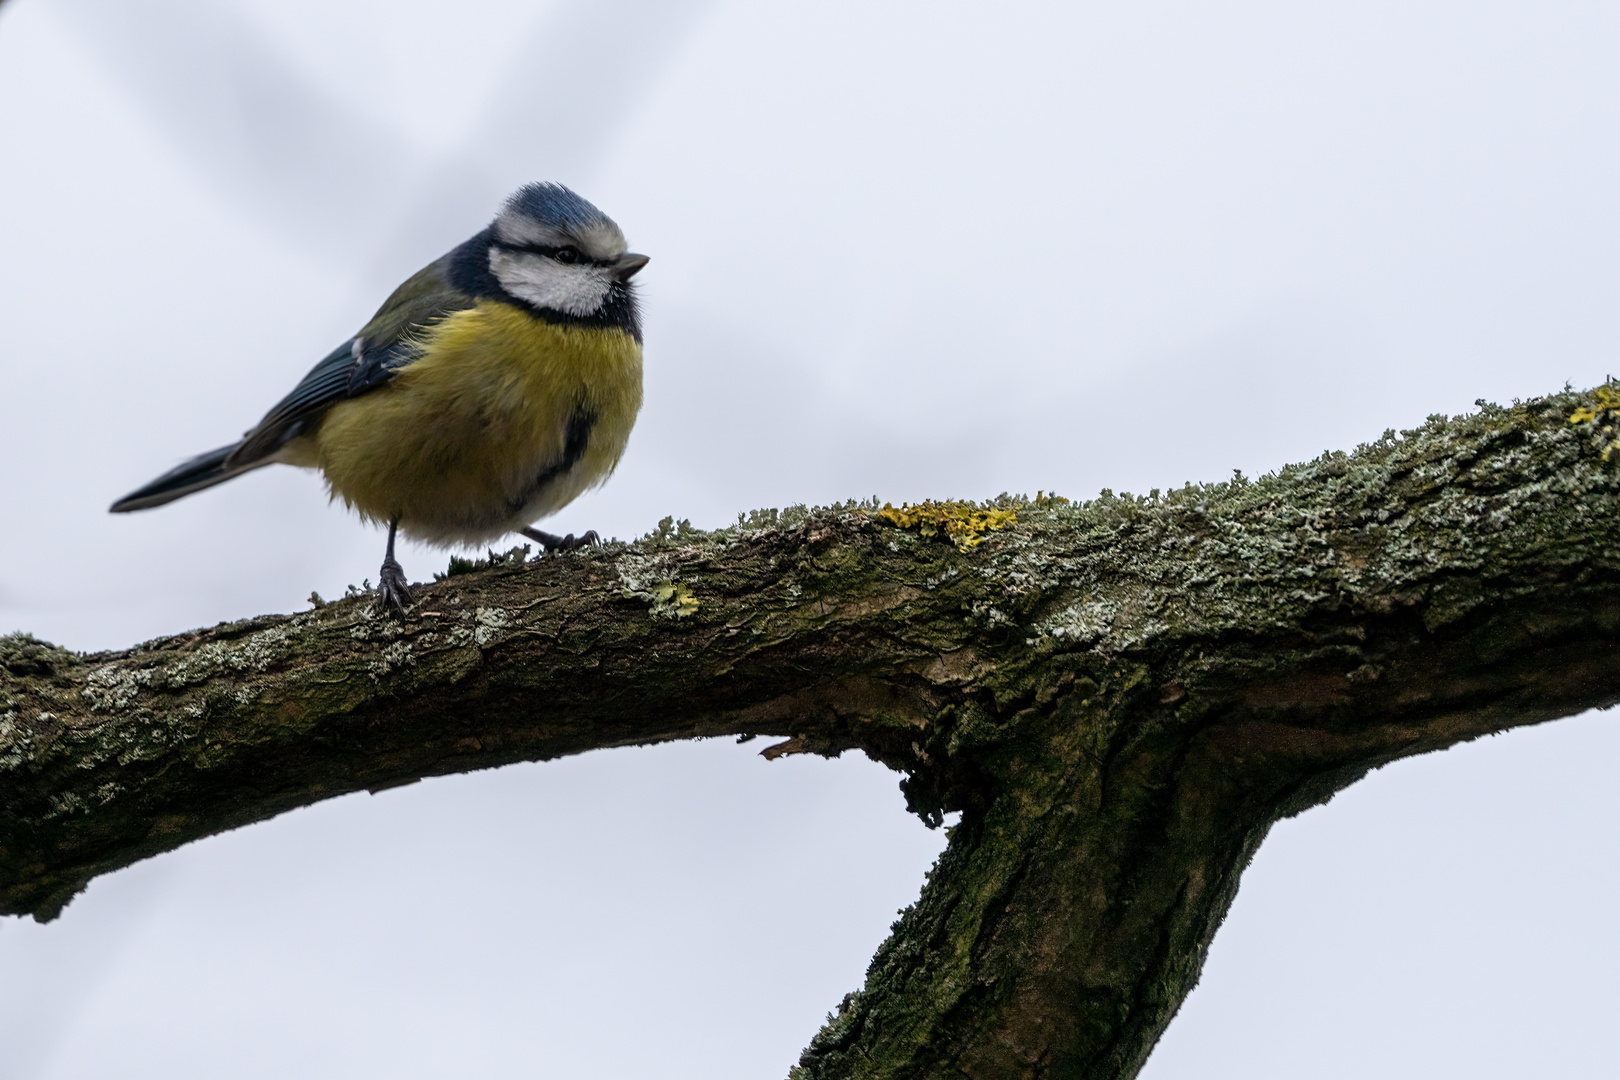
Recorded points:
(202, 471)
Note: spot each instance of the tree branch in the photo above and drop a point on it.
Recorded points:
(1119, 697)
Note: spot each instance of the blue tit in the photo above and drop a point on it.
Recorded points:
(489, 391)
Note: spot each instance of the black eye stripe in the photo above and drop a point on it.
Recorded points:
(551, 253)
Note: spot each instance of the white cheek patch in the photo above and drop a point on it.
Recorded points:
(544, 282)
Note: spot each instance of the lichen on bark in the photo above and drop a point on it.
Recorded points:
(1119, 697)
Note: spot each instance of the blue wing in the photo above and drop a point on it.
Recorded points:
(360, 365)
(363, 363)
(348, 371)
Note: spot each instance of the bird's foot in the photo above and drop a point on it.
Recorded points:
(550, 542)
(391, 584)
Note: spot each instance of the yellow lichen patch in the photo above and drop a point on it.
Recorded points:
(963, 523)
(1604, 416)
(672, 601)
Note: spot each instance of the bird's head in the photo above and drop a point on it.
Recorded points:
(553, 249)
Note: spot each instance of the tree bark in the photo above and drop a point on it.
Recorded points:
(1119, 697)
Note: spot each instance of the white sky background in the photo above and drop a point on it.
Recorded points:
(908, 250)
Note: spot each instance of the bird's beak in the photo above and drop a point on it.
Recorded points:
(628, 264)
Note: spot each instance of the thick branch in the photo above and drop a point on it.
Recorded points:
(1120, 698)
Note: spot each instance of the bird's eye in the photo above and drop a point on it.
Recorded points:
(567, 255)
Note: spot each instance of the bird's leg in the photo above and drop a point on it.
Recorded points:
(552, 542)
(396, 593)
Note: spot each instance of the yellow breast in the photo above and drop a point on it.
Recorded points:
(464, 444)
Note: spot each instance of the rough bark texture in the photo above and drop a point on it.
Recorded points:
(1119, 697)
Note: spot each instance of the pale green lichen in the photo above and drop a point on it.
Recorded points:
(264, 650)
(648, 578)
(488, 623)
(670, 531)
(639, 573)
(113, 687)
(395, 656)
(1253, 553)
(65, 803)
(1083, 623)
(14, 740)
(791, 517)
(989, 614)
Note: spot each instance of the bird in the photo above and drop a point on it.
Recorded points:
(491, 389)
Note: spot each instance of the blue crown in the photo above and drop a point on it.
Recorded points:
(554, 204)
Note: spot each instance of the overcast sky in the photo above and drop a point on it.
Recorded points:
(911, 250)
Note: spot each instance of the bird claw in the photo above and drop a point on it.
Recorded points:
(392, 586)
(550, 542)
